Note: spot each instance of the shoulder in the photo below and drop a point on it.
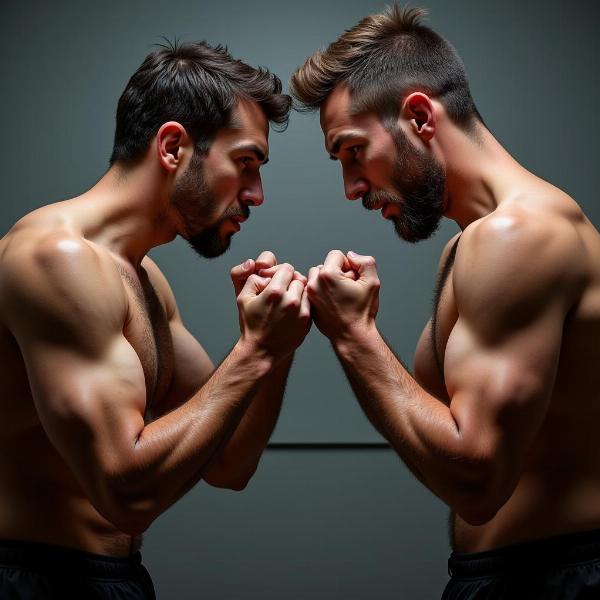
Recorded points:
(59, 274)
(517, 260)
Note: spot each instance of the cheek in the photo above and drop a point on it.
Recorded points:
(224, 181)
(379, 166)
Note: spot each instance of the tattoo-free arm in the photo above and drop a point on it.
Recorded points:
(66, 306)
(500, 365)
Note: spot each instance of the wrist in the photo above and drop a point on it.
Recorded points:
(357, 339)
(251, 352)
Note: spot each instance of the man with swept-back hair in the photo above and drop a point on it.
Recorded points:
(499, 418)
(111, 410)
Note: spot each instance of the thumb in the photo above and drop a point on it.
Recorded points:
(240, 273)
(365, 266)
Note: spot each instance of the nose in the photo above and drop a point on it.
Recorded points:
(252, 195)
(355, 189)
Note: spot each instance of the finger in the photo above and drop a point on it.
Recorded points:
(295, 291)
(313, 275)
(305, 304)
(271, 271)
(365, 266)
(300, 277)
(253, 286)
(282, 278)
(336, 262)
(243, 271)
(265, 260)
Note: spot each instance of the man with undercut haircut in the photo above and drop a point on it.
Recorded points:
(111, 410)
(499, 418)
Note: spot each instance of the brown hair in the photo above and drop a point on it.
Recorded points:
(383, 58)
(197, 85)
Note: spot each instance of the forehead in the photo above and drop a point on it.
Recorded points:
(248, 123)
(248, 118)
(337, 116)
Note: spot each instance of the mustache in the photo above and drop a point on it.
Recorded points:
(234, 211)
(372, 199)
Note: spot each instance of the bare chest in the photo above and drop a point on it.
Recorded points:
(147, 330)
(431, 348)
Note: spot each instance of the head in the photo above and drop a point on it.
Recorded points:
(381, 89)
(204, 117)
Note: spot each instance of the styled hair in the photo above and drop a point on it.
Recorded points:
(382, 59)
(196, 85)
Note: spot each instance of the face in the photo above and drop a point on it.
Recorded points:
(214, 193)
(384, 168)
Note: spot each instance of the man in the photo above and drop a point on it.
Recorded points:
(111, 410)
(499, 418)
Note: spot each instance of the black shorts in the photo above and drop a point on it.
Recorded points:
(31, 571)
(565, 567)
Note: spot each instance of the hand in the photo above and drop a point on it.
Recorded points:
(275, 311)
(344, 294)
(266, 260)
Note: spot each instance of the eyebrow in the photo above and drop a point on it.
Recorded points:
(260, 155)
(338, 140)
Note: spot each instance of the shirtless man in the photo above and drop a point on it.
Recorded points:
(111, 410)
(500, 417)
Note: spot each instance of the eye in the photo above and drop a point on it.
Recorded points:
(246, 160)
(353, 149)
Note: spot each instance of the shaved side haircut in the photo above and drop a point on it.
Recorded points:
(382, 59)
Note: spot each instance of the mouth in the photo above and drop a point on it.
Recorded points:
(387, 211)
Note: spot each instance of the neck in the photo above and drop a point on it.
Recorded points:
(480, 174)
(127, 211)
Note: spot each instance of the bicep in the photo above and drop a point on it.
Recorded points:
(503, 353)
(500, 391)
(66, 309)
(91, 408)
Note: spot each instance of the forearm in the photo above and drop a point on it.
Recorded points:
(236, 463)
(172, 453)
(421, 428)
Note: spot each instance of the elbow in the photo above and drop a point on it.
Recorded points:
(481, 496)
(236, 481)
(130, 513)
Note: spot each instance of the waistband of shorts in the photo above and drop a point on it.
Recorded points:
(48, 557)
(552, 551)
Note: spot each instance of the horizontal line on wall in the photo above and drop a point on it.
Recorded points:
(328, 446)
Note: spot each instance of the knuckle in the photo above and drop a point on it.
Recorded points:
(326, 275)
(275, 294)
(293, 305)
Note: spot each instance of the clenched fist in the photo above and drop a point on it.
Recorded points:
(344, 294)
(273, 307)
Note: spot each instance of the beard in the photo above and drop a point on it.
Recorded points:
(196, 203)
(420, 182)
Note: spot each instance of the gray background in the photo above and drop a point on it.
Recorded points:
(319, 523)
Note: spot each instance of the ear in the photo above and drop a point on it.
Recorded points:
(170, 139)
(418, 109)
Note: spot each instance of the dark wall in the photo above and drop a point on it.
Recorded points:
(319, 524)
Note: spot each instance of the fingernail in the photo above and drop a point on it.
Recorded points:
(247, 265)
(352, 254)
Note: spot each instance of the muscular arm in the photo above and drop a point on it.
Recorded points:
(66, 307)
(514, 282)
(235, 463)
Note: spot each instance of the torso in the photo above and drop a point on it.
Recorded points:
(40, 499)
(559, 488)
